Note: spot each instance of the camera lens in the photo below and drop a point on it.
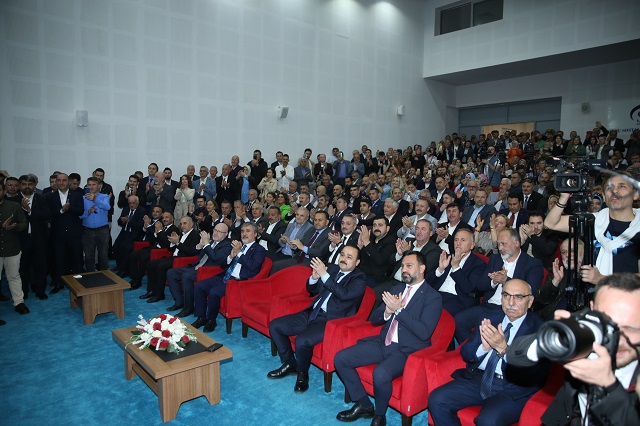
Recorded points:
(567, 339)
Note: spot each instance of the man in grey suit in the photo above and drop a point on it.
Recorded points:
(480, 208)
(295, 229)
(312, 244)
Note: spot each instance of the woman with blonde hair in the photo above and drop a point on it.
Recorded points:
(184, 198)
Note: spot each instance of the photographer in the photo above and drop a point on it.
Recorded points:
(611, 398)
(492, 167)
(617, 230)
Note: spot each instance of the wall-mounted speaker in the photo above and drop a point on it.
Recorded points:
(82, 118)
(283, 111)
(400, 111)
(585, 107)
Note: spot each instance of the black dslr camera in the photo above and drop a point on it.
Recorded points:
(572, 338)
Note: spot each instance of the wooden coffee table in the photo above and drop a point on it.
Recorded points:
(99, 299)
(178, 380)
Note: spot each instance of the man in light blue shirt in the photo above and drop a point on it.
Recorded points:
(95, 221)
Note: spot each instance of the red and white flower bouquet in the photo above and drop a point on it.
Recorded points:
(162, 333)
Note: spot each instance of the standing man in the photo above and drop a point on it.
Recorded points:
(131, 221)
(244, 262)
(284, 174)
(66, 207)
(12, 223)
(95, 221)
(489, 380)
(200, 183)
(161, 193)
(258, 167)
(409, 316)
(210, 253)
(338, 292)
(227, 186)
(210, 190)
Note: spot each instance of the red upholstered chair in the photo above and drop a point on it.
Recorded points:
(484, 258)
(440, 367)
(256, 296)
(411, 390)
(139, 245)
(159, 254)
(231, 302)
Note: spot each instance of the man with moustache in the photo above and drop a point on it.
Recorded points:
(311, 244)
(270, 234)
(376, 253)
(131, 221)
(161, 193)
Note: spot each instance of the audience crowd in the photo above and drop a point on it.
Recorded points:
(477, 219)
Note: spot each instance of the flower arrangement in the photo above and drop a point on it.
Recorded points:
(162, 333)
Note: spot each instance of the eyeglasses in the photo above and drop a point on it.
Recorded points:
(219, 231)
(517, 297)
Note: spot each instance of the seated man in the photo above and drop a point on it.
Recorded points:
(180, 246)
(157, 235)
(456, 274)
(410, 313)
(339, 291)
(244, 262)
(377, 248)
(489, 381)
(510, 263)
(210, 253)
(295, 230)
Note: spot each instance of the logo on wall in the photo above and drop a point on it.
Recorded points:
(635, 114)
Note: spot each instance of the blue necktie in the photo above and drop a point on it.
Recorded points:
(227, 275)
(490, 368)
(325, 296)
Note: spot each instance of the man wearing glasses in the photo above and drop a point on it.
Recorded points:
(489, 380)
(510, 263)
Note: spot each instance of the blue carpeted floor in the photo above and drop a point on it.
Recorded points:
(56, 371)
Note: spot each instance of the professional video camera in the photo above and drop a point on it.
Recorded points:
(567, 339)
(482, 152)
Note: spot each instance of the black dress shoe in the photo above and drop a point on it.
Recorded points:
(289, 367)
(22, 309)
(2, 322)
(135, 284)
(147, 295)
(199, 322)
(42, 296)
(56, 289)
(209, 326)
(174, 307)
(302, 382)
(356, 412)
(379, 420)
(155, 299)
(123, 274)
(185, 312)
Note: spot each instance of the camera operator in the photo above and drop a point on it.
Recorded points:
(611, 398)
(492, 167)
(617, 230)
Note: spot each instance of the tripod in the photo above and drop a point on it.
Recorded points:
(581, 224)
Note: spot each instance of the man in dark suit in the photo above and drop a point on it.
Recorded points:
(161, 194)
(33, 241)
(156, 235)
(131, 221)
(611, 399)
(271, 233)
(530, 198)
(147, 182)
(339, 291)
(510, 263)
(336, 215)
(311, 244)
(444, 233)
(515, 213)
(181, 245)
(489, 380)
(66, 207)
(376, 251)
(132, 188)
(348, 236)
(479, 208)
(456, 274)
(227, 186)
(210, 253)
(538, 242)
(409, 315)
(376, 203)
(244, 262)
(393, 214)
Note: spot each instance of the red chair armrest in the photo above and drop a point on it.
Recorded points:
(159, 254)
(179, 262)
(208, 272)
(139, 245)
(440, 366)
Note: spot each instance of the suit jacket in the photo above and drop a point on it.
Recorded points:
(416, 321)
(534, 202)
(336, 220)
(134, 230)
(375, 258)
(377, 207)
(161, 239)
(216, 256)
(464, 278)
(519, 382)
(210, 190)
(67, 224)
(396, 221)
(251, 261)
(230, 193)
(38, 219)
(449, 239)
(147, 234)
(140, 193)
(431, 251)
(618, 407)
(346, 295)
(164, 199)
(543, 247)
(485, 214)
(321, 242)
(188, 247)
(301, 231)
(527, 269)
(404, 233)
(523, 217)
(273, 238)
(351, 241)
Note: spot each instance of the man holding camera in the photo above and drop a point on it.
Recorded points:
(492, 167)
(610, 398)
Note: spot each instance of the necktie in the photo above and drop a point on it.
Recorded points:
(526, 200)
(129, 223)
(394, 323)
(204, 258)
(336, 253)
(234, 262)
(512, 219)
(490, 368)
(325, 296)
(302, 254)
